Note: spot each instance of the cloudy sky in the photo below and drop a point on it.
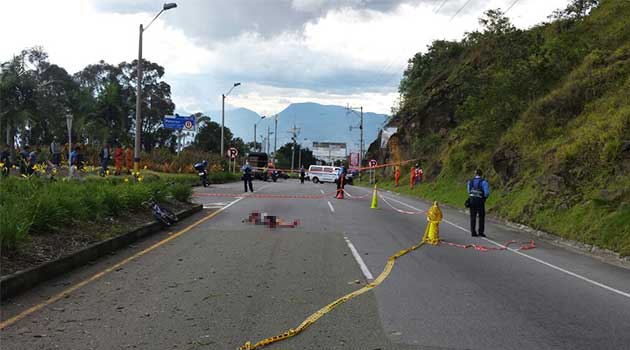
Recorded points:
(282, 51)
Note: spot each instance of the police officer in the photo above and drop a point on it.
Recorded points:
(478, 192)
(302, 174)
(247, 176)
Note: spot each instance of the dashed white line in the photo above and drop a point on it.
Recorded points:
(322, 191)
(331, 207)
(357, 257)
(585, 279)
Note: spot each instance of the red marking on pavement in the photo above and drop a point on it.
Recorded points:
(266, 195)
(483, 248)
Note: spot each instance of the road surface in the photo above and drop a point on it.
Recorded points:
(224, 281)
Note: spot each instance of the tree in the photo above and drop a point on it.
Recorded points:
(209, 137)
(17, 89)
(576, 10)
(285, 153)
(106, 101)
(156, 101)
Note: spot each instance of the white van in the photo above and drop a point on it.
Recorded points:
(322, 173)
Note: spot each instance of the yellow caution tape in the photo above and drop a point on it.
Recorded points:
(326, 309)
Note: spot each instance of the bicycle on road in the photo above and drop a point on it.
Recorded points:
(162, 214)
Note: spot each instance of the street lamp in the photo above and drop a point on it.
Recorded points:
(136, 151)
(255, 124)
(69, 124)
(223, 112)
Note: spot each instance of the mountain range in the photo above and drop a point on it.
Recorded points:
(316, 123)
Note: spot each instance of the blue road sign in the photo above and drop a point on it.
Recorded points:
(179, 122)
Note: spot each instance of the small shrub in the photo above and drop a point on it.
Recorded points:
(181, 192)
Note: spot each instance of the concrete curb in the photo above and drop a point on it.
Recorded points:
(18, 282)
(601, 254)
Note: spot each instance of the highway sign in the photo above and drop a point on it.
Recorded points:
(179, 122)
(232, 152)
(354, 159)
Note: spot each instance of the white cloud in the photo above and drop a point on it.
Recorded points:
(348, 55)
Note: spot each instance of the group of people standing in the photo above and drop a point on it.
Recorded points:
(26, 158)
(415, 178)
(121, 155)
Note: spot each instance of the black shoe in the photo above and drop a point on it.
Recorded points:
(474, 234)
(482, 235)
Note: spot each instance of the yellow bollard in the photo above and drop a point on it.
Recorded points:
(432, 231)
(374, 200)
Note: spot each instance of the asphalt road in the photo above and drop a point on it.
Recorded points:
(225, 281)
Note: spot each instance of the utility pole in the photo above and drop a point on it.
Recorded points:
(361, 141)
(268, 134)
(353, 109)
(275, 139)
(294, 133)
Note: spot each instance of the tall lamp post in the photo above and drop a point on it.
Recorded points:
(136, 151)
(69, 124)
(223, 113)
(255, 124)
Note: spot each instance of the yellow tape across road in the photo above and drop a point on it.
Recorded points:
(326, 309)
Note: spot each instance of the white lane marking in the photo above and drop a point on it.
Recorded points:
(357, 257)
(331, 207)
(234, 202)
(627, 295)
(322, 191)
(226, 206)
(405, 204)
(585, 279)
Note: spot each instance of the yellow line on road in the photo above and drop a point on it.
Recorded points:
(69, 290)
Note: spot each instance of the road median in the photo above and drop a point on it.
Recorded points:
(18, 282)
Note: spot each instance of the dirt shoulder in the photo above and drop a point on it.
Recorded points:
(43, 248)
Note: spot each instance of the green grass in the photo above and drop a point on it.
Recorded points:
(38, 206)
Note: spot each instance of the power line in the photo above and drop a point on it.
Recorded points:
(510, 7)
(460, 9)
(440, 7)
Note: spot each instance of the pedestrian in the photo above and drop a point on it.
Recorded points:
(129, 159)
(74, 162)
(412, 178)
(23, 159)
(5, 160)
(302, 174)
(55, 151)
(80, 158)
(247, 176)
(341, 180)
(418, 175)
(32, 160)
(397, 175)
(105, 155)
(478, 193)
(118, 159)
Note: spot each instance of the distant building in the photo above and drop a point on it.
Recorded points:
(330, 151)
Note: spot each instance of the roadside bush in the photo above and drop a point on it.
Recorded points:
(38, 206)
(181, 192)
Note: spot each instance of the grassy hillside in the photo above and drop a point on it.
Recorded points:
(544, 112)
